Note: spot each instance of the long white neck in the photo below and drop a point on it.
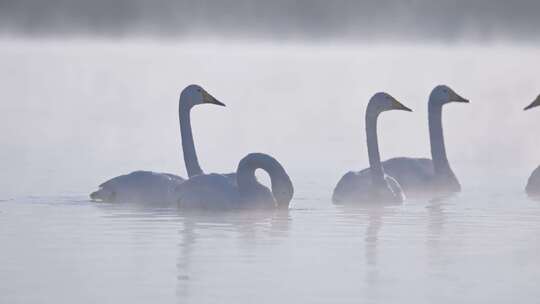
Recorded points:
(188, 147)
(376, 169)
(281, 183)
(438, 150)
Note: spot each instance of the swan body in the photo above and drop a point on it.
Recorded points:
(139, 187)
(533, 184)
(371, 185)
(358, 186)
(219, 192)
(154, 187)
(423, 177)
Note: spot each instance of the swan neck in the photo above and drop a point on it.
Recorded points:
(279, 179)
(376, 169)
(438, 149)
(188, 147)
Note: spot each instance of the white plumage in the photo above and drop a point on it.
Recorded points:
(533, 184)
(371, 185)
(423, 177)
(154, 187)
(217, 191)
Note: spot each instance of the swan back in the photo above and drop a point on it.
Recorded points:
(358, 187)
(208, 192)
(139, 187)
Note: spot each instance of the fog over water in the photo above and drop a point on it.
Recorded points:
(89, 90)
(281, 19)
(83, 111)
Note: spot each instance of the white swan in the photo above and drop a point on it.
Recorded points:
(371, 184)
(423, 177)
(215, 191)
(533, 184)
(153, 187)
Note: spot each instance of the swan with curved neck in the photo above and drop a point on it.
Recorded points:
(372, 184)
(215, 191)
(533, 184)
(155, 187)
(421, 177)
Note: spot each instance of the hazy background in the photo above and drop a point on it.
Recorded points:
(89, 89)
(284, 19)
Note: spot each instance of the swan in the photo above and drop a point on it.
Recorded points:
(421, 177)
(533, 184)
(155, 187)
(215, 191)
(371, 184)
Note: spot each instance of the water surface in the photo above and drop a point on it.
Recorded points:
(81, 112)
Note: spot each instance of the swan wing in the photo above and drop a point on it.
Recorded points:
(395, 187)
(353, 186)
(413, 174)
(139, 187)
(207, 191)
(231, 177)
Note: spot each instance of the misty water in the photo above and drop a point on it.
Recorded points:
(75, 113)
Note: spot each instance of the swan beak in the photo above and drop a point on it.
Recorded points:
(533, 104)
(455, 97)
(211, 99)
(399, 106)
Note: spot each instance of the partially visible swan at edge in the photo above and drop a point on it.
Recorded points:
(371, 185)
(533, 184)
(154, 187)
(215, 191)
(423, 177)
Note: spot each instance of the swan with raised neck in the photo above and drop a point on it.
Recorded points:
(372, 184)
(155, 187)
(191, 96)
(421, 177)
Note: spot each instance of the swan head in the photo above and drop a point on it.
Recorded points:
(282, 189)
(535, 103)
(443, 94)
(194, 95)
(382, 102)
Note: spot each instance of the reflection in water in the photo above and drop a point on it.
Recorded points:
(374, 214)
(249, 227)
(437, 218)
(417, 252)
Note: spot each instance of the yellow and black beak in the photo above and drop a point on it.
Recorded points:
(207, 98)
(456, 98)
(535, 103)
(399, 106)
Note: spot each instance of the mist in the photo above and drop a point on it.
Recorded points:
(481, 20)
(76, 113)
(89, 90)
